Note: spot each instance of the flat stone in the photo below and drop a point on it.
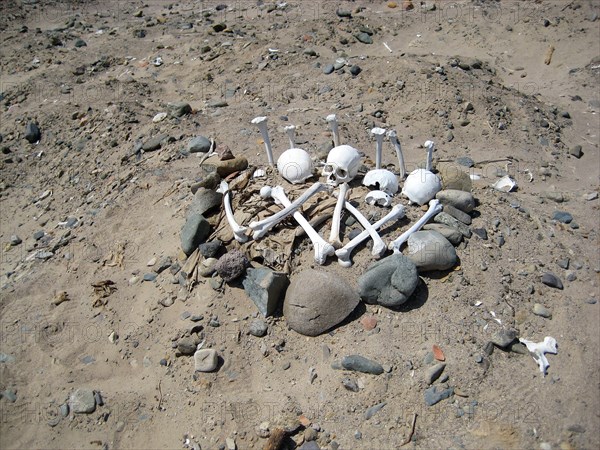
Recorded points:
(389, 282)
(317, 300)
(542, 311)
(237, 164)
(458, 214)
(447, 219)
(462, 200)
(452, 234)
(179, 109)
(359, 363)
(206, 360)
(265, 288)
(549, 279)
(232, 265)
(429, 250)
(199, 144)
(205, 201)
(433, 373)
(562, 216)
(82, 401)
(195, 230)
(433, 396)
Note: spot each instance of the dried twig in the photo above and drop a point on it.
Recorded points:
(412, 431)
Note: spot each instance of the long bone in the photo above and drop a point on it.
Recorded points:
(239, 232)
(334, 236)
(261, 227)
(430, 145)
(343, 253)
(394, 140)
(332, 119)
(379, 133)
(290, 130)
(322, 248)
(378, 244)
(261, 122)
(434, 208)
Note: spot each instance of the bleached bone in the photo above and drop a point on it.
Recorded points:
(379, 133)
(295, 165)
(342, 165)
(261, 122)
(334, 236)
(378, 198)
(332, 119)
(322, 248)
(378, 244)
(394, 140)
(538, 349)
(239, 232)
(434, 208)
(429, 145)
(343, 253)
(421, 186)
(261, 227)
(290, 130)
(381, 179)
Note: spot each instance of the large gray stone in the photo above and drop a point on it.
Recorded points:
(205, 200)
(452, 234)
(82, 401)
(458, 214)
(265, 288)
(389, 282)
(462, 200)
(194, 232)
(429, 250)
(317, 300)
(447, 219)
(199, 144)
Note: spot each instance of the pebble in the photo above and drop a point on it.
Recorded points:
(179, 109)
(194, 232)
(562, 216)
(154, 143)
(159, 117)
(64, 409)
(355, 70)
(571, 276)
(549, 279)
(480, 233)
(591, 196)
(10, 395)
(350, 384)
(344, 13)
(328, 69)
(576, 151)
(374, 410)
(389, 282)
(207, 267)
(459, 199)
(542, 311)
(80, 43)
(433, 373)
(433, 396)
(32, 133)
(563, 263)
(82, 401)
(265, 288)
(210, 249)
(151, 276)
(199, 144)
(187, 346)
(368, 322)
(429, 250)
(232, 265)
(258, 328)
(557, 197)
(164, 263)
(317, 300)
(452, 234)
(465, 161)
(364, 38)
(15, 240)
(208, 181)
(39, 234)
(206, 360)
(361, 364)
(504, 337)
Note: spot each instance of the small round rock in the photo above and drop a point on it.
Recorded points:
(258, 328)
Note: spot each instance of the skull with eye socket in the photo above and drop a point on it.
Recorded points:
(342, 164)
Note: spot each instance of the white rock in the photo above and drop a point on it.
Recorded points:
(205, 360)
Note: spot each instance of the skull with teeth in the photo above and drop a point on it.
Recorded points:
(342, 165)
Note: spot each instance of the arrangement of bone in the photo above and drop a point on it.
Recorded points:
(341, 167)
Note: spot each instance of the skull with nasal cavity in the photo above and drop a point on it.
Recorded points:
(342, 165)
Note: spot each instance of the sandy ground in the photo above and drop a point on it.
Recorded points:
(92, 103)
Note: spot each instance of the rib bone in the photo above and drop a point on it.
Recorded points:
(239, 232)
(434, 208)
(334, 236)
(322, 248)
(261, 228)
(343, 253)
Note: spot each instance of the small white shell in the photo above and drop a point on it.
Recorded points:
(295, 165)
(381, 179)
(378, 198)
(421, 186)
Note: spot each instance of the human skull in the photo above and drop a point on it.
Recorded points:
(342, 164)
(381, 179)
(295, 165)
